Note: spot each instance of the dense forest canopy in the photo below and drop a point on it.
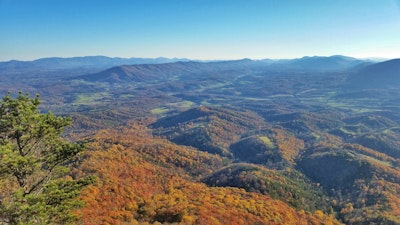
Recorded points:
(305, 141)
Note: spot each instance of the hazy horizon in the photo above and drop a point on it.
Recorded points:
(199, 30)
(377, 59)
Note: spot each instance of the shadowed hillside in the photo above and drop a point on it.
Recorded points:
(230, 142)
(210, 129)
(380, 75)
(142, 182)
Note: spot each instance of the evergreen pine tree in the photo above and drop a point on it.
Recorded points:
(33, 159)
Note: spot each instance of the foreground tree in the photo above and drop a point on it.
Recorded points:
(33, 159)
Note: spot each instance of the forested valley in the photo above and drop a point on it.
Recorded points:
(314, 140)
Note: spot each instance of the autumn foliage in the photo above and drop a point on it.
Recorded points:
(148, 180)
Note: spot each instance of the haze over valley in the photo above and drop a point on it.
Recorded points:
(320, 134)
(199, 112)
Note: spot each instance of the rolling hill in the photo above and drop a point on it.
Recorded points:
(225, 142)
(320, 63)
(380, 75)
(56, 63)
(210, 129)
(145, 180)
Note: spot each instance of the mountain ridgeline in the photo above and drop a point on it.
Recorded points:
(148, 72)
(379, 75)
(313, 140)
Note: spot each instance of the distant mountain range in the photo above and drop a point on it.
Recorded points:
(115, 70)
(73, 66)
(148, 72)
(151, 72)
(318, 63)
(56, 68)
(85, 62)
(56, 63)
(380, 75)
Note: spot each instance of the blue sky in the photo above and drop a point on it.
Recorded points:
(199, 29)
